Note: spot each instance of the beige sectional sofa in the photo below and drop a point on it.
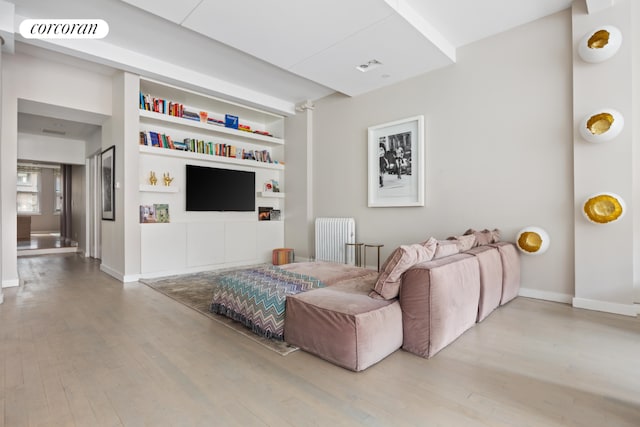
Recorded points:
(426, 296)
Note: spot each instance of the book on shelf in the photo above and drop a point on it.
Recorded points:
(156, 139)
(162, 212)
(264, 213)
(147, 214)
(160, 105)
(156, 213)
(275, 215)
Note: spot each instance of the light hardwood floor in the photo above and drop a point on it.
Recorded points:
(79, 348)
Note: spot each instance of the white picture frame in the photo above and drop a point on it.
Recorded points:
(396, 163)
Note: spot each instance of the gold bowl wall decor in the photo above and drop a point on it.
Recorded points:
(602, 125)
(532, 240)
(604, 208)
(600, 44)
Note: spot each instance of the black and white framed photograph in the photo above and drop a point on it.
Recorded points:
(396, 163)
(108, 162)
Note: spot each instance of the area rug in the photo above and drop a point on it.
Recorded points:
(196, 291)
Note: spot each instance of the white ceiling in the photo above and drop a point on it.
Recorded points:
(292, 50)
(271, 54)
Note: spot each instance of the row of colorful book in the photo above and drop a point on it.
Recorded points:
(155, 139)
(164, 106)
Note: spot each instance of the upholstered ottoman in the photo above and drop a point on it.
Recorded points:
(490, 264)
(510, 270)
(343, 325)
(439, 301)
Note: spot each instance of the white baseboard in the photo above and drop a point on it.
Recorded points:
(545, 295)
(608, 307)
(10, 283)
(111, 272)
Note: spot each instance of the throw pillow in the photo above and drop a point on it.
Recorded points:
(482, 237)
(445, 248)
(404, 257)
(464, 242)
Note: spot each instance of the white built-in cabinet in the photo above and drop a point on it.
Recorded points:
(196, 241)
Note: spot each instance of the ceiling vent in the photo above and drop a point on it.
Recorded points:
(374, 63)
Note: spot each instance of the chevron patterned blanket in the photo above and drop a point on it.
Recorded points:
(256, 297)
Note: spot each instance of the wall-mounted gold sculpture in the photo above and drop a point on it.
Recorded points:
(604, 208)
(602, 125)
(600, 44)
(532, 240)
(152, 178)
(167, 178)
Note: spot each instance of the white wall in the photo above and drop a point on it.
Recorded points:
(498, 149)
(604, 253)
(299, 179)
(47, 82)
(50, 149)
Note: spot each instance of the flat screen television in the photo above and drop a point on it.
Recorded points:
(221, 190)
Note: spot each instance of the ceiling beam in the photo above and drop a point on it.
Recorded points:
(423, 26)
(594, 6)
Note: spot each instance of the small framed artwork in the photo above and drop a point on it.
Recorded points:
(396, 163)
(108, 163)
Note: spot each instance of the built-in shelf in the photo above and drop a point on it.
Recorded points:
(158, 188)
(273, 194)
(208, 157)
(164, 119)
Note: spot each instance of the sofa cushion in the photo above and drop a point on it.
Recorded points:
(439, 301)
(388, 284)
(490, 264)
(510, 270)
(342, 325)
(446, 248)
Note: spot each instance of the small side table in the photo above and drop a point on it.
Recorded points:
(357, 247)
(281, 256)
(365, 253)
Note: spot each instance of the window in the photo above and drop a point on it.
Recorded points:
(28, 196)
(57, 189)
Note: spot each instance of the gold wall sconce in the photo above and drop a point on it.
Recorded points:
(533, 240)
(600, 44)
(604, 208)
(602, 125)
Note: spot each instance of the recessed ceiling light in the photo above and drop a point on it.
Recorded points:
(370, 65)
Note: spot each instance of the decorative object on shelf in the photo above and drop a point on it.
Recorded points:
(264, 213)
(604, 208)
(167, 179)
(162, 212)
(153, 180)
(108, 168)
(203, 116)
(231, 121)
(602, 125)
(275, 215)
(271, 186)
(147, 214)
(600, 44)
(396, 163)
(532, 240)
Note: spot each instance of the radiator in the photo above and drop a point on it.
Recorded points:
(331, 236)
